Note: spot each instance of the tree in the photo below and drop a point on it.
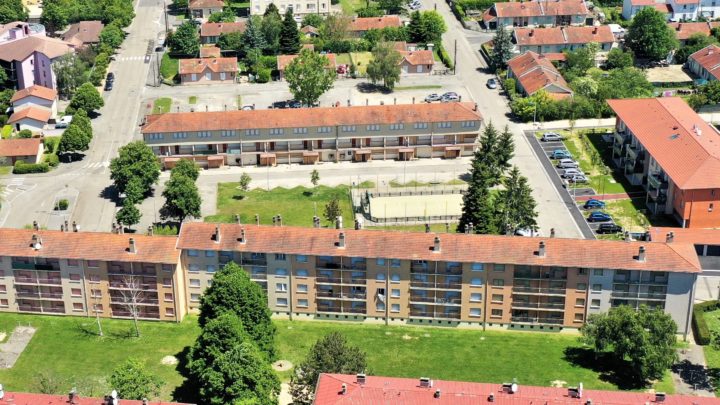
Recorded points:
(371, 11)
(69, 72)
(131, 297)
(585, 86)
(515, 205)
(233, 292)
(623, 83)
(271, 10)
(112, 36)
(244, 184)
(711, 91)
(433, 26)
(54, 16)
(253, 37)
(4, 79)
(73, 139)
(618, 59)
(135, 161)
(505, 148)
(133, 381)
(186, 168)
(335, 28)
(414, 28)
(314, 20)
(228, 367)
(640, 343)
(231, 41)
(331, 354)
(186, 40)
(180, 4)
(502, 49)
(227, 15)
(271, 26)
(332, 211)
(86, 98)
(385, 65)
(649, 36)
(314, 177)
(391, 6)
(129, 214)
(308, 76)
(25, 133)
(693, 44)
(289, 35)
(118, 11)
(182, 199)
(578, 62)
(12, 10)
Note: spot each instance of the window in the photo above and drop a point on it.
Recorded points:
(579, 302)
(192, 252)
(579, 317)
(168, 267)
(497, 298)
(420, 125)
(167, 282)
(93, 263)
(348, 128)
(203, 134)
(380, 262)
(595, 287)
(498, 268)
(74, 277)
(373, 127)
(210, 268)
(302, 273)
(324, 130)
(496, 313)
(394, 262)
(195, 297)
(468, 124)
(252, 132)
(170, 311)
(444, 124)
(380, 277)
(582, 272)
(498, 282)
(179, 135)
(302, 130)
(595, 304)
(280, 287)
(76, 292)
(397, 127)
(222, 75)
(477, 281)
(302, 303)
(195, 267)
(168, 297)
(395, 293)
(94, 279)
(208, 76)
(581, 286)
(209, 253)
(395, 308)
(302, 288)
(3, 288)
(281, 302)
(477, 267)
(280, 256)
(225, 133)
(395, 278)
(380, 306)
(301, 258)
(78, 306)
(598, 272)
(281, 272)
(194, 282)
(475, 312)
(73, 263)
(475, 297)
(98, 307)
(156, 137)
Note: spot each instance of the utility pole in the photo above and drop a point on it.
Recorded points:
(455, 58)
(166, 20)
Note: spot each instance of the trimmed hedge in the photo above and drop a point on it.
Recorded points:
(699, 325)
(24, 168)
(444, 57)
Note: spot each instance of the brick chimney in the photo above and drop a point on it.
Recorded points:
(132, 248)
(341, 240)
(541, 249)
(641, 254)
(216, 236)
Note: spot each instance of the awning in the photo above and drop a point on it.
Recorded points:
(267, 155)
(171, 159)
(362, 152)
(452, 148)
(310, 153)
(406, 150)
(216, 157)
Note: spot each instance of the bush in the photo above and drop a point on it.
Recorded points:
(268, 61)
(63, 204)
(699, 325)
(444, 57)
(51, 159)
(51, 144)
(165, 230)
(25, 133)
(25, 168)
(263, 75)
(509, 86)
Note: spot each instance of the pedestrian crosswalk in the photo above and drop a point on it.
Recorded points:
(94, 165)
(11, 187)
(129, 58)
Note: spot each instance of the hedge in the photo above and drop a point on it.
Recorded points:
(444, 57)
(699, 325)
(24, 168)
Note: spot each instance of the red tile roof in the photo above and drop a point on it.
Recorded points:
(539, 8)
(216, 29)
(309, 29)
(22, 398)
(685, 30)
(19, 147)
(284, 60)
(421, 57)
(37, 91)
(709, 59)
(454, 247)
(311, 117)
(374, 23)
(198, 66)
(686, 235)
(19, 50)
(682, 143)
(563, 35)
(196, 4)
(407, 391)
(32, 112)
(89, 246)
(85, 32)
(209, 52)
(536, 72)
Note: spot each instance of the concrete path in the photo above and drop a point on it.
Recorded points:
(690, 375)
(11, 350)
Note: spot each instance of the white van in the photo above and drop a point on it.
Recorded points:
(64, 122)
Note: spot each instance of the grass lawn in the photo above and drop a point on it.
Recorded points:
(534, 358)
(349, 6)
(6, 131)
(627, 214)
(192, 100)
(361, 60)
(712, 356)
(162, 105)
(5, 170)
(296, 205)
(439, 228)
(413, 183)
(68, 348)
(343, 59)
(169, 67)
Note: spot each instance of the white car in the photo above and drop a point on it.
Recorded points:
(567, 163)
(571, 172)
(64, 122)
(551, 136)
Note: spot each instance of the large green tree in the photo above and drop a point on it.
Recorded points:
(185, 40)
(70, 73)
(86, 98)
(331, 354)
(133, 381)
(232, 291)
(289, 35)
(693, 44)
(578, 61)
(73, 140)
(618, 59)
(111, 36)
(391, 6)
(623, 83)
(641, 343)
(271, 27)
(253, 37)
(308, 76)
(54, 16)
(433, 26)
(12, 10)
(186, 168)
(182, 199)
(649, 36)
(515, 205)
(231, 41)
(135, 161)
(227, 15)
(385, 66)
(129, 214)
(502, 49)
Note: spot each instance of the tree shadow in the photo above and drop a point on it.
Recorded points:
(110, 193)
(187, 391)
(70, 157)
(610, 370)
(367, 87)
(696, 375)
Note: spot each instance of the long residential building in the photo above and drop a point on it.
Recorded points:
(537, 13)
(442, 279)
(311, 135)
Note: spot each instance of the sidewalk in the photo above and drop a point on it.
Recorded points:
(690, 375)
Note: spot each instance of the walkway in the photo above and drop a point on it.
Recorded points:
(11, 350)
(690, 375)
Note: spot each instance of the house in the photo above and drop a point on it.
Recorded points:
(362, 389)
(23, 398)
(257, 7)
(28, 150)
(414, 62)
(361, 25)
(675, 10)
(210, 51)
(33, 118)
(210, 32)
(558, 39)
(203, 8)
(83, 33)
(684, 30)
(208, 70)
(310, 32)
(537, 13)
(35, 96)
(27, 54)
(533, 72)
(284, 60)
(706, 63)
(631, 7)
(320, 134)
(674, 156)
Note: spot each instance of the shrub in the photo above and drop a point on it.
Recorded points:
(63, 204)
(165, 230)
(51, 144)
(444, 57)
(509, 86)
(25, 133)
(699, 325)
(263, 75)
(51, 159)
(24, 168)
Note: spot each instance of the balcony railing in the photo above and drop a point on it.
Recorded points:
(258, 276)
(142, 315)
(550, 306)
(435, 300)
(636, 295)
(254, 262)
(437, 286)
(328, 280)
(536, 321)
(39, 295)
(539, 275)
(340, 310)
(657, 182)
(625, 280)
(141, 301)
(434, 315)
(35, 266)
(421, 268)
(130, 286)
(341, 295)
(537, 290)
(328, 265)
(37, 281)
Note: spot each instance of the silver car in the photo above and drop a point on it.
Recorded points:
(571, 172)
(551, 136)
(567, 163)
(578, 178)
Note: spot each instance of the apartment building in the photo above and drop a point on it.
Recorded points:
(559, 39)
(675, 156)
(675, 10)
(311, 135)
(299, 8)
(536, 13)
(88, 273)
(684, 30)
(442, 279)
(706, 63)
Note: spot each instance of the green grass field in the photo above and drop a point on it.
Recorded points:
(5, 170)
(162, 105)
(712, 356)
(361, 60)
(343, 59)
(296, 205)
(169, 67)
(350, 6)
(6, 131)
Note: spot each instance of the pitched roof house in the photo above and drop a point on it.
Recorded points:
(361, 25)
(204, 70)
(210, 32)
(684, 30)
(558, 39)
(203, 8)
(28, 150)
(420, 61)
(534, 72)
(706, 62)
(32, 117)
(284, 60)
(535, 13)
(83, 33)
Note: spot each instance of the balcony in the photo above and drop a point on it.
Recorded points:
(632, 153)
(119, 300)
(639, 296)
(35, 266)
(258, 276)
(540, 275)
(416, 299)
(254, 262)
(37, 281)
(657, 182)
(621, 138)
(128, 314)
(538, 291)
(341, 295)
(435, 286)
(341, 310)
(536, 321)
(118, 285)
(434, 315)
(40, 309)
(422, 268)
(39, 295)
(539, 306)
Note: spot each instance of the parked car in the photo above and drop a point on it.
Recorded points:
(433, 97)
(279, 104)
(551, 136)
(294, 104)
(593, 203)
(108, 85)
(492, 84)
(578, 178)
(248, 107)
(64, 121)
(609, 228)
(599, 216)
(567, 163)
(570, 172)
(110, 77)
(561, 154)
(447, 98)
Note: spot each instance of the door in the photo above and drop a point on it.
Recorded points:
(405, 68)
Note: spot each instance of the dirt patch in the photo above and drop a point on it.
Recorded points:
(169, 360)
(282, 365)
(558, 383)
(407, 337)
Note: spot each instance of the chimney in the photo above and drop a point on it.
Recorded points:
(72, 396)
(541, 249)
(237, 219)
(552, 232)
(679, 27)
(343, 391)
(531, 33)
(36, 242)
(491, 397)
(74, 226)
(132, 248)
(427, 228)
(341, 240)
(627, 236)
(437, 393)
(257, 219)
(216, 237)
(595, 31)
(357, 224)
(361, 378)
(35, 226)
(279, 220)
(67, 226)
(338, 222)
(436, 245)
(669, 237)
(641, 254)
(2, 392)
(144, 401)
(659, 397)
(150, 230)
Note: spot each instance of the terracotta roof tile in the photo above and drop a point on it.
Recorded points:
(40, 114)
(309, 29)
(684, 30)
(284, 60)
(198, 66)
(539, 8)
(209, 52)
(709, 59)
(682, 143)
(196, 4)
(422, 57)
(454, 247)
(22, 398)
(19, 50)
(686, 235)
(536, 72)
(87, 32)
(311, 117)
(37, 91)
(216, 29)
(19, 147)
(563, 35)
(89, 246)
(374, 23)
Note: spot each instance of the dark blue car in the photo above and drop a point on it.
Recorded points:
(561, 154)
(598, 216)
(593, 203)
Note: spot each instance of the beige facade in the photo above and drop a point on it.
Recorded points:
(299, 7)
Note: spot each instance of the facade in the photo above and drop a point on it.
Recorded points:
(443, 279)
(83, 33)
(417, 61)
(210, 32)
(558, 39)
(84, 273)
(299, 8)
(35, 96)
(24, 398)
(208, 70)
(537, 13)
(675, 156)
(706, 63)
(32, 118)
(284, 60)
(311, 135)
(684, 30)
(203, 8)
(361, 25)
(676, 10)
(361, 389)
(533, 72)
(28, 150)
